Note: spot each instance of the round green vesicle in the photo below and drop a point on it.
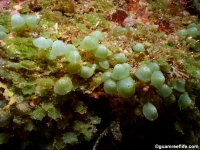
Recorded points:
(150, 111)
(86, 72)
(89, 43)
(71, 47)
(105, 76)
(110, 86)
(59, 48)
(73, 68)
(143, 73)
(182, 33)
(157, 79)
(101, 51)
(153, 66)
(120, 72)
(74, 57)
(164, 91)
(104, 64)
(184, 101)
(138, 47)
(3, 29)
(3, 35)
(31, 21)
(128, 66)
(192, 32)
(17, 21)
(109, 53)
(191, 25)
(98, 35)
(63, 86)
(120, 57)
(126, 87)
(42, 43)
(178, 85)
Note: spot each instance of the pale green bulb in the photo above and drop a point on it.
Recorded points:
(109, 53)
(71, 47)
(101, 51)
(192, 32)
(105, 76)
(42, 43)
(128, 66)
(50, 42)
(31, 21)
(126, 87)
(191, 25)
(184, 101)
(138, 47)
(86, 72)
(73, 68)
(153, 67)
(150, 111)
(59, 48)
(3, 29)
(164, 91)
(120, 57)
(3, 35)
(182, 33)
(89, 43)
(110, 86)
(143, 73)
(94, 66)
(120, 72)
(98, 35)
(74, 57)
(178, 85)
(104, 64)
(157, 79)
(17, 21)
(63, 86)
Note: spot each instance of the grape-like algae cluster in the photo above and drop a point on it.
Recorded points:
(119, 80)
(58, 67)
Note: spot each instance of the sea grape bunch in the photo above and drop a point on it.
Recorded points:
(191, 36)
(119, 80)
(151, 72)
(18, 21)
